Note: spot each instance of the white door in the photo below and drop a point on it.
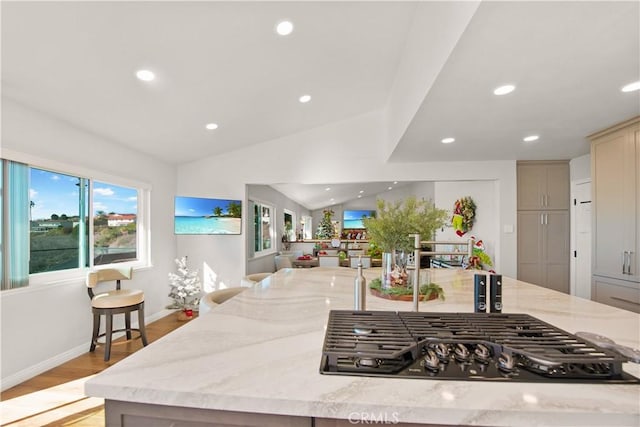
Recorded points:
(581, 239)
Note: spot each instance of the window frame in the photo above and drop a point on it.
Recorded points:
(293, 234)
(142, 218)
(272, 228)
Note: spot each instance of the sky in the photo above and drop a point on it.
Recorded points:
(55, 193)
(195, 206)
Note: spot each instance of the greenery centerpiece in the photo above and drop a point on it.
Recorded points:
(391, 229)
(428, 291)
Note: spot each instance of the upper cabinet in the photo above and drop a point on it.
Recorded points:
(615, 171)
(543, 185)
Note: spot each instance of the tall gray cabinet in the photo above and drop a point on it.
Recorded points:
(543, 223)
(615, 173)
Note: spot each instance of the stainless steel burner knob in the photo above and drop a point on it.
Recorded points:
(461, 352)
(431, 360)
(442, 351)
(482, 353)
(506, 362)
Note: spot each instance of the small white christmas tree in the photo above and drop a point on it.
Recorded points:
(185, 286)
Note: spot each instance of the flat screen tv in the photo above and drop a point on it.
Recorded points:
(195, 215)
(352, 219)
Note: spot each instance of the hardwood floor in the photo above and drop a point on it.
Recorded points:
(56, 397)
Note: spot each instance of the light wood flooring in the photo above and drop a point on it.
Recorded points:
(56, 397)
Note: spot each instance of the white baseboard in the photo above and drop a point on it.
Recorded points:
(45, 365)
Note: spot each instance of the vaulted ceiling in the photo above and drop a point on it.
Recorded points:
(223, 62)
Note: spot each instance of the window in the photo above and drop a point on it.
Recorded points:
(115, 210)
(48, 228)
(263, 228)
(57, 221)
(289, 230)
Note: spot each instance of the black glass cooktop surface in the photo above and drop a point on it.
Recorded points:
(463, 346)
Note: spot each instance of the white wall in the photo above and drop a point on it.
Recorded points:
(486, 226)
(580, 168)
(46, 325)
(356, 155)
(266, 194)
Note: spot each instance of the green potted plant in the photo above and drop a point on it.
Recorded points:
(428, 291)
(392, 226)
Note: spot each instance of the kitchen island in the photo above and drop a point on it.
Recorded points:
(254, 360)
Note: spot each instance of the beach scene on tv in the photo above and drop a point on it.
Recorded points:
(353, 218)
(194, 215)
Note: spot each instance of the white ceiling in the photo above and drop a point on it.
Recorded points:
(222, 62)
(215, 61)
(568, 61)
(316, 196)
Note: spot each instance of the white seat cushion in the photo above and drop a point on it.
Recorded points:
(115, 299)
(213, 299)
(254, 278)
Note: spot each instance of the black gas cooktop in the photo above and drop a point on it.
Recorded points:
(463, 346)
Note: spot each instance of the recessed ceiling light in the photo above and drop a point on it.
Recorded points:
(305, 98)
(327, 189)
(145, 75)
(448, 140)
(389, 188)
(631, 87)
(361, 191)
(284, 28)
(332, 199)
(395, 182)
(530, 138)
(211, 126)
(503, 90)
(359, 196)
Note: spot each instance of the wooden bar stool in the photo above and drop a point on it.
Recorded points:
(118, 301)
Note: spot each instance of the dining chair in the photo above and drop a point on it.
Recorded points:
(329, 261)
(215, 298)
(366, 261)
(283, 261)
(110, 303)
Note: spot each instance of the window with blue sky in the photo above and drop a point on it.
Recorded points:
(52, 229)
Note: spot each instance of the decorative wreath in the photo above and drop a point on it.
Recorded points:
(464, 213)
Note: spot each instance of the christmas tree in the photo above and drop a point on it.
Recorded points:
(184, 287)
(325, 228)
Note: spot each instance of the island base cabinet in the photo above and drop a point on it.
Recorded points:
(129, 414)
(368, 419)
(616, 293)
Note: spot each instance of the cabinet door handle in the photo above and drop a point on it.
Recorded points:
(542, 221)
(545, 198)
(546, 219)
(629, 262)
(624, 262)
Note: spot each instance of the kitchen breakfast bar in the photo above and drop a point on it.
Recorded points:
(255, 361)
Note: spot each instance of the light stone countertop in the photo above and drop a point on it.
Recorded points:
(260, 352)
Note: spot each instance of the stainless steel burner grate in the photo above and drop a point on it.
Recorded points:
(475, 346)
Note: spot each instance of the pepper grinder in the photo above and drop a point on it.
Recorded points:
(360, 289)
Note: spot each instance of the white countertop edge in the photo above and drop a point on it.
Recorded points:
(514, 417)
